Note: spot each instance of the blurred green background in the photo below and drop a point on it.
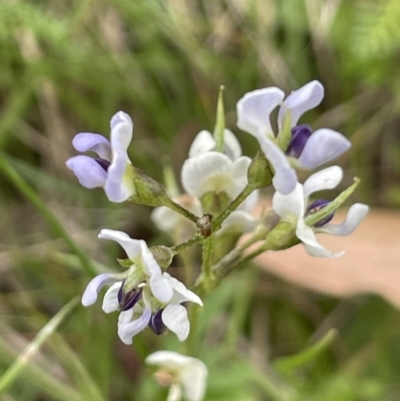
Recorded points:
(68, 66)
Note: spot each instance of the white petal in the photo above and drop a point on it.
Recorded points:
(323, 146)
(355, 215)
(150, 265)
(165, 219)
(238, 222)
(174, 316)
(285, 177)
(89, 296)
(327, 178)
(311, 245)
(213, 171)
(194, 379)
(202, 143)
(290, 207)
(110, 300)
(254, 109)
(301, 100)
(168, 359)
(161, 288)
(232, 145)
(132, 247)
(181, 293)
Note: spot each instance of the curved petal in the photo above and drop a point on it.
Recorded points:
(202, 143)
(327, 178)
(238, 222)
(194, 379)
(89, 173)
(311, 245)
(232, 145)
(299, 101)
(181, 293)
(211, 171)
(254, 109)
(128, 330)
(160, 288)
(290, 207)
(110, 300)
(86, 141)
(150, 265)
(323, 146)
(354, 217)
(285, 177)
(132, 247)
(174, 316)
(89, 296)
(118, 186)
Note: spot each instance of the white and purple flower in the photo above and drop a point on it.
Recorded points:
(184, 375)
(111, 169)
(305, 149)
(293, 208)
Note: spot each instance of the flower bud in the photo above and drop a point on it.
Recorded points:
(163, 255)
(259, 174)
(283, 236)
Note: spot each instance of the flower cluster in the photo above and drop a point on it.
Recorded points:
(220, 190)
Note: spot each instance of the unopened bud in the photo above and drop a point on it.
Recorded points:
(259, 173)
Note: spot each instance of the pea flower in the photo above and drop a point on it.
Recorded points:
(207, 170)
(111, 169)
(186, 376)
(305, 149)
(293, 208)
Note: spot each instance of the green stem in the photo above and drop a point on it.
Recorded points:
(53, 222)
(207, 261)
(181, 210)
(16, 369)
(247, 190)
(187, 244)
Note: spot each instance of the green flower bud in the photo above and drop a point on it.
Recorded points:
(259, 174)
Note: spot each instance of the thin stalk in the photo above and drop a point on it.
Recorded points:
(53, 222)
(181, 210)
(207, 261)
(187, 244)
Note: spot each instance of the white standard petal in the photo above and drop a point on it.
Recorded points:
(354, 217)
(306, 235)
(202, 143)
(194, 379)
(232, 145)
(299, 101)
(89, 296)
(290, 207)
(323, 146)
(110, 300)
(254, 109)
(174, 316)
(132, 247)
(213, 171)
(181, 293)
(327, 178)
(238, 222)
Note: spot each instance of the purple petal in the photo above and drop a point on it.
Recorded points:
(129, 330)
(316, 206)
(300, 135)
(89, 296)
(254, 109)
(90, 174)
(285, 178)
(298, 102)
(156, 324)
(85, 142)
(323, 146)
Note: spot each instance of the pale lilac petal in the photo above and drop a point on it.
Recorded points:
(306, 235)
(232, 145)
(119, 186)
(238, 222)
(181, 293)
(289, 207)
(110, 300)
(285, 177)
(89, 173)
(213, 171)
(89, 296)
(354, 217)
(175, 318)
(299, 101)
(323, 146)
(132, 247)
(327, 178)
(128, 330)
(254, 109)
(202, 143)
(86, 141)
